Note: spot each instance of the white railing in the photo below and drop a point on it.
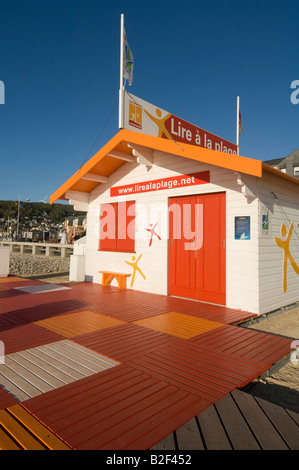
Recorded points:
(45, 249)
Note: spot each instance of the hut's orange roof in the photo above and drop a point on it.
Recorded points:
(120, 149)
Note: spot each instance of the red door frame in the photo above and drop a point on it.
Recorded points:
(199, 274)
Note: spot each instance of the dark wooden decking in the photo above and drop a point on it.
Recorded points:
(103, 368)
(238, 421)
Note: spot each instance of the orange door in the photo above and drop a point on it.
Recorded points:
(197, 238)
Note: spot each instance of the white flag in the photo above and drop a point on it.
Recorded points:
(128, 61)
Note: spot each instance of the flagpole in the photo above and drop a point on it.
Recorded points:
(122, 21)
(238, 123)
(121, 86)
(18, 219)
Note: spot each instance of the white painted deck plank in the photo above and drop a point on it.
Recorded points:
(27, 375)
(95, 355)
(36, 369)
(13, 389)
(54, 367)
(87, 358)
(64, 362)
(18, 381)
(60, 351)
(32, 372)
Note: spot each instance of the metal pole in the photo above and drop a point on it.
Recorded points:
(238, 123)
(122, 21)
(121, 86)
(18, 221)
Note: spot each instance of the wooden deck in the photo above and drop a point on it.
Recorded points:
(110, 369)
(238, 421)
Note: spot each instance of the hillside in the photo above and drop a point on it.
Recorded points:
(56, 213)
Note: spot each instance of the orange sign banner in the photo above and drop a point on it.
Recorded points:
(192, 179)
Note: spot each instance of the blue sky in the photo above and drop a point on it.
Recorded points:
(59, 61)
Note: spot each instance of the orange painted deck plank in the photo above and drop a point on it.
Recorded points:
(24, 432)
(178, 324)
(77, 323)
(14, 279)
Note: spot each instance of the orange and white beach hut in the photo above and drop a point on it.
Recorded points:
(173, 210)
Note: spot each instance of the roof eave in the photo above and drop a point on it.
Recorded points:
(228, 161)
(60, 192)
(279, 173)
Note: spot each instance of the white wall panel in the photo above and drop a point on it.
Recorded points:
(280, 198)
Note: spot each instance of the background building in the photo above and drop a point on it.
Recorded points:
(289, 164)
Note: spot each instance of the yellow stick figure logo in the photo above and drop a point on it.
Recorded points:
(135, 268)
(284, 244)
(160, 122)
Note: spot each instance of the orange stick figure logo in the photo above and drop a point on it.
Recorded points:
(135, 268)
(153, 232)
(284, 244)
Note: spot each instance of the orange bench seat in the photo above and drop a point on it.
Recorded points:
(108, 276)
